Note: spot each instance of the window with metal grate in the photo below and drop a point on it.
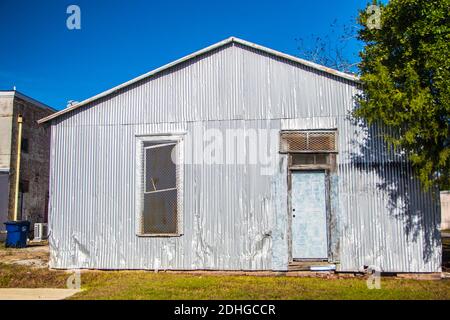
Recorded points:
(160, 194)
(308, 141)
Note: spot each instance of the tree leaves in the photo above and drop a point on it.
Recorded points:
(405, 71)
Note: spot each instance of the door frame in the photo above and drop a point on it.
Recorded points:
(318, 168)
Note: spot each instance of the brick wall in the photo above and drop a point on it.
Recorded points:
(34, 167)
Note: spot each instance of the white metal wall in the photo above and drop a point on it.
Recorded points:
(234, 217)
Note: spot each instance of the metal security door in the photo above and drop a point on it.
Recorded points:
(309, 216)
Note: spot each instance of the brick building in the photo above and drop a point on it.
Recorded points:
(34, 165)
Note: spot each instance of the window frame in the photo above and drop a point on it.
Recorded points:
(164, 139)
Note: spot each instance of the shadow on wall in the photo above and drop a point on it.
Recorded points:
(407, 201)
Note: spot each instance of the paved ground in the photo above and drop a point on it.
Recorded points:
(36, 294)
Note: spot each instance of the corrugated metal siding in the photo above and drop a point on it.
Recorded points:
(229, 84)
(226, 225)
(389, 221)
(234, 217)
(385, 219)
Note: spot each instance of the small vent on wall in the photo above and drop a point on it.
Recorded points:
(308, 142)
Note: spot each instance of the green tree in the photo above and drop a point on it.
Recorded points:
(405, 73)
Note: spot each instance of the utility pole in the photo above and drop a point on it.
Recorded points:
(19, 147)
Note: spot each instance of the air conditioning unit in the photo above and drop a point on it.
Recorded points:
(40, 231)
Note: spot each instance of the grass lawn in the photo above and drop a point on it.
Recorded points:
(150, 285)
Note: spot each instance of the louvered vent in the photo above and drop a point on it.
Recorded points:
(308, 141)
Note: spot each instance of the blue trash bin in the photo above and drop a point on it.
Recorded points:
(17, 232)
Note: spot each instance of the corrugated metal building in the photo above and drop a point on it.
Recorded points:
(327, 190)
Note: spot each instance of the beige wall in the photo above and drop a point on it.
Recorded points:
(4, 193)
(445, 210)
(6, 114)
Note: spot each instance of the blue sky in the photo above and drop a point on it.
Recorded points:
(120, 40)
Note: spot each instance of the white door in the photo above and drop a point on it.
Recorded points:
(309, 216)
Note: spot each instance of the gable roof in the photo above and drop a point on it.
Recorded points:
(199, 53)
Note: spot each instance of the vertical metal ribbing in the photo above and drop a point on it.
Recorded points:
(93, 167)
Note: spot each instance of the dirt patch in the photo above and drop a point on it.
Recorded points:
(35, 255)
